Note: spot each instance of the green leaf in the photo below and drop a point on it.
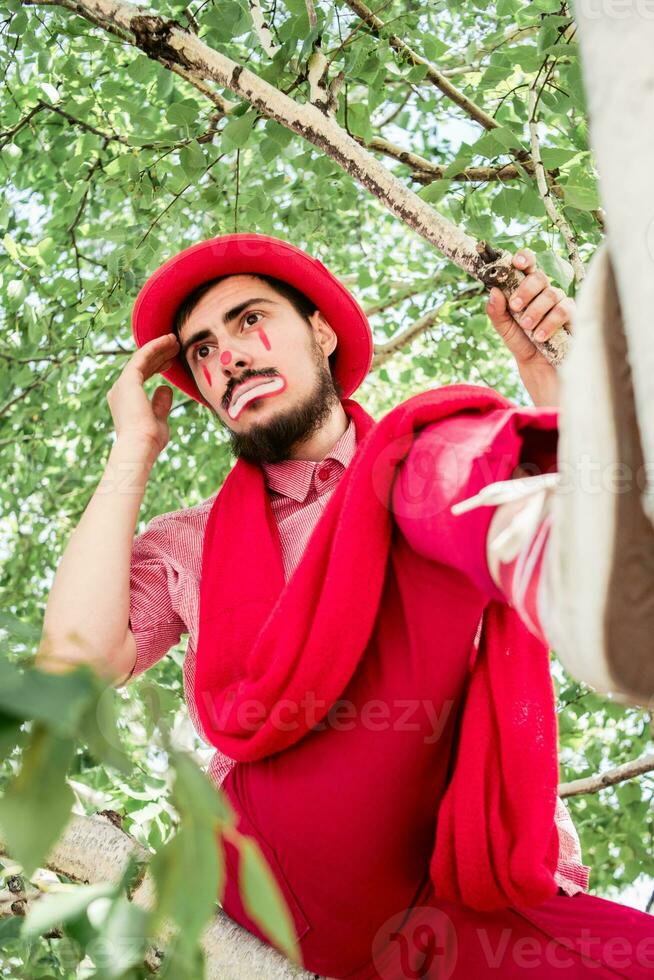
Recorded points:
(556, 156)
(141, 68)
(572, 76)
(237, 131)
(629, 792)
(192, 159)
(463, 158)
(10, 732)
(59, 700)
(507, 138)
(557, 268)
(311, 36)
(584, 198)
(55, 910)
(263, 899)
(358, 118)
(10, 929)
(37, 790)
(507, 203)
(26, 633)
(432, 193)
(495, 74)
(417, 73)
(192, 784)
(531, 202)
(185, 872)
(268, 150)
(123, 930)
(280, 134)
(182, 113)
(11, 248)
(165, 82)
(99, 731)
(434, 48)
(229, 18)
(300, 19)
(188, 870)
(488, 146)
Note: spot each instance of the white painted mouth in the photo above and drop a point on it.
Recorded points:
(264, 388)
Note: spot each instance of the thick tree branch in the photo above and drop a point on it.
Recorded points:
(94, 850)
(167, 42)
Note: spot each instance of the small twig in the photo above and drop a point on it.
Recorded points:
(592, 784)
(238, 172)
(544, 191)
(311, 13)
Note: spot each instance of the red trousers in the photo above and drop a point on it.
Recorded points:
(346, 817)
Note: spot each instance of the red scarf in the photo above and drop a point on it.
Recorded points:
(262, 640)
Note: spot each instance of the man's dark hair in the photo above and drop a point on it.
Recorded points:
(301, 303)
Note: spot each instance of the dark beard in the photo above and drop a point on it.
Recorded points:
(274, 441)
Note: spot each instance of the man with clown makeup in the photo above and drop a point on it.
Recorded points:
(370, 606)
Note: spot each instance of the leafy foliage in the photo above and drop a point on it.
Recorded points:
(111, 163)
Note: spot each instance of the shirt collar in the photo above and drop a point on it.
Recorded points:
(292, 477)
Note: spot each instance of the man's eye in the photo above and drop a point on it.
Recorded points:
(198, 349)
(247, 317)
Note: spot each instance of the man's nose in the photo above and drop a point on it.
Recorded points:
(233, 360)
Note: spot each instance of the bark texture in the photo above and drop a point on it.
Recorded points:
(94, 849)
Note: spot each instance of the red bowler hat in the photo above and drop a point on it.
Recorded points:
(158, 300)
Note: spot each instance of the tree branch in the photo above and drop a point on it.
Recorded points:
(167, 42)
(433, 74)
(592, 784)
(439, 80)
(545, 193)
(94, 850)
(262, 29)
(426, 172)
(399, 294)
(382, 352)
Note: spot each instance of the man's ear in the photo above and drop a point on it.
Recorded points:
(324, 334)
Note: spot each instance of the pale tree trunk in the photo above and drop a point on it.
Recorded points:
(94, 849)
(617, 57)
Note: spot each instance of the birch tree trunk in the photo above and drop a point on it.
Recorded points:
(93, 850)
(617, 57)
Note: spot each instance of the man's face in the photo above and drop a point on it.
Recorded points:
(261, 366)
